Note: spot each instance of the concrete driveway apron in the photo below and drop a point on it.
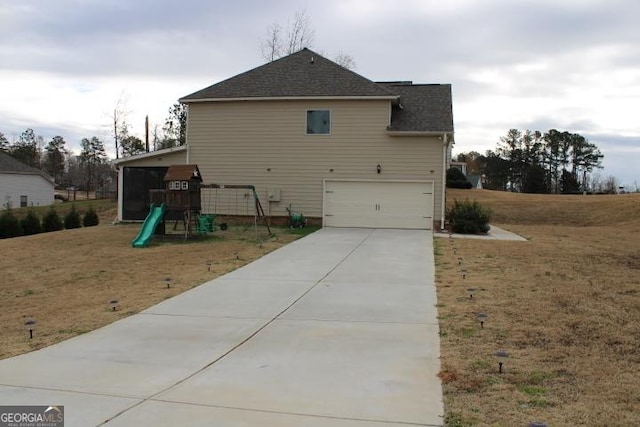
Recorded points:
(336, 329)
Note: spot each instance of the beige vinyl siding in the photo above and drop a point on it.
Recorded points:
(238, 142)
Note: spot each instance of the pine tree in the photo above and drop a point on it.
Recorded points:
(31, 223)
(90, 218)
(72, 219)
(51, 221)
(9, 225)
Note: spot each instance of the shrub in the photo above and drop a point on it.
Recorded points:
(31, 223)
(72, 219)
(51, 221)
(459, 184)
(469, 217)
(456, 179)
(9, 225)
(90, 218)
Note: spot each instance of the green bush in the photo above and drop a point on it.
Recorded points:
(468, 217)
(459, 184)
(51, 221)
(90, 218)
(9, 225)
(31, 223)
(456, 179)
(72, 219)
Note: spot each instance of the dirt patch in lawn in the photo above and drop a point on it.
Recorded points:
(565, 305)
(66, 280)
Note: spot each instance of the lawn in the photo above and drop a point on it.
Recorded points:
(65, 280)
(565, 305)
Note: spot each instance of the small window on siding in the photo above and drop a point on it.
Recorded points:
(318, 122)
(23, 201)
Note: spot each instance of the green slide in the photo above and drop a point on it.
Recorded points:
(146, 233)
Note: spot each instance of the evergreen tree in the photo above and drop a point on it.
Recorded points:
(72, 219)
(54, 158)
(4, 142)
(9, 224)
(51, 221)
(90, 218)
(31, 223)
(26, 149)
(92, 155)
(569, 183)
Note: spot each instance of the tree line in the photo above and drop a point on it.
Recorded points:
(91, 168)
(88, 170)
(533, 162)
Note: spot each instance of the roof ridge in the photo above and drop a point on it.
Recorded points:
(304, 73)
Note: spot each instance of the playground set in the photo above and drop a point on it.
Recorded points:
(181, 202)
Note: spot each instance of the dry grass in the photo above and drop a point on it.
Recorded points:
(565, 305)
(66, 279)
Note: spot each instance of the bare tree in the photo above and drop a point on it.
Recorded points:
(118, 120)
(297, 35)
(610, 185)
(272, 47)
(345, 60)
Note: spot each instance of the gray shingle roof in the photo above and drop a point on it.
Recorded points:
(11, 165)
(302, 74)
(422, 108)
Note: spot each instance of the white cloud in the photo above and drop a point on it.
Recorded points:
(571, 64)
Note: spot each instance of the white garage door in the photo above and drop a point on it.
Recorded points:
(378, 204)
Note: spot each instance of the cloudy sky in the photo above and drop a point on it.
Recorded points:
(528, 64)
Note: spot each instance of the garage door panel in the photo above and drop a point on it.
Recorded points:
(378, 204)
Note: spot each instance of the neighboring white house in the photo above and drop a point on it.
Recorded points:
(22, 186)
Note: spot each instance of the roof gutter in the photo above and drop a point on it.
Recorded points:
(150, 154)
(418, 133)
(292, 98)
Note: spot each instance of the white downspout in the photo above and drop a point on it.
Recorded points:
(445, 149)
(186, 136)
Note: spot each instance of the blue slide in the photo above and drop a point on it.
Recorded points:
(156, 213)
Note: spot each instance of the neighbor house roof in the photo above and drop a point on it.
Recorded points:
(151, 154)
(421, 107)
(302, 74)
(10, 165)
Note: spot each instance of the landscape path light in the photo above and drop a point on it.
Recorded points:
(482, 317)
(209, 262)
(471, 292)
(114, 304)
(30, 324)
(501, 355)
(168, 282)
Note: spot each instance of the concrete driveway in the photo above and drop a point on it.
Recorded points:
(336, 329)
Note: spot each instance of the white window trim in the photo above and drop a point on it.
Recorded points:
(330, 122)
